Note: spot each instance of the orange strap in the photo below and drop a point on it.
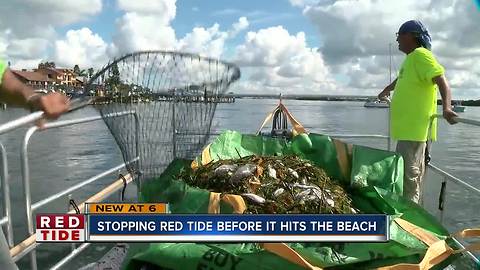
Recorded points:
(206, 157)
(435, 254)
(268, 118)
(343, 158)
(423, 235)
(236, 201)
(297, 127)
(214, 203)
(437, 251)
(468, 233)
(288, 254)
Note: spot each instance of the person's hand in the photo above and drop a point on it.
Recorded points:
(450, 115)
(53, 105)
(384, 94)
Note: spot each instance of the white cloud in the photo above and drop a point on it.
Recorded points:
(29, 26)
(210, 41)
(163, 10)
(27, 48)
(142, 32)
(38, 18)
(205, 41)
(355, 35)
(239, 26)
(274, 60)
(3, 42)
(26, 63)
(81, 47)
(149, 28)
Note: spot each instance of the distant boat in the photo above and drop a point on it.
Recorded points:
(377, 104)
(457, 107)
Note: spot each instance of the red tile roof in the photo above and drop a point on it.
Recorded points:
(57, 70)
(32, 76)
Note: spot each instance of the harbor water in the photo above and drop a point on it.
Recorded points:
(61, 157)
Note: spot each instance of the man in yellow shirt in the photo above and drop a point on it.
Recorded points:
(415, 101)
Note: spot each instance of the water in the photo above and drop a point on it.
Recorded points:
(62, 157)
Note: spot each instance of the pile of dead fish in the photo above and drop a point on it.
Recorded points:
(270, 185)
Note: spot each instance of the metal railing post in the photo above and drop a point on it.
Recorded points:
(27, 192)
(7, 207)
(389, 139)
(69, 197)
(442, 198)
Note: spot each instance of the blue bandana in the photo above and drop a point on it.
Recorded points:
(420, 30)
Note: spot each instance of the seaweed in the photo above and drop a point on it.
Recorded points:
(274, 185)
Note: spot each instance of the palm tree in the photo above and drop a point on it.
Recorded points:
(90, 73)
(79, 72)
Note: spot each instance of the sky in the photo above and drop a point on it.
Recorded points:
(326, 47)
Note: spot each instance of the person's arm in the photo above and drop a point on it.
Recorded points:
(386, 91)
(445, 92)
(14, 92)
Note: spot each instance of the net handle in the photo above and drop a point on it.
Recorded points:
(75, 104)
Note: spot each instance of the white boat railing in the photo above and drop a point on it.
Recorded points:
(28, 246)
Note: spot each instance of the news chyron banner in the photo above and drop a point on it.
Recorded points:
(118, 222)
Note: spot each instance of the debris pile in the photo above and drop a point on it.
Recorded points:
(269, 185)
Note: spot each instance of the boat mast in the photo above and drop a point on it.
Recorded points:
(390, 58)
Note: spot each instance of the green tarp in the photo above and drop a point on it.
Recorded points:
(376, 181)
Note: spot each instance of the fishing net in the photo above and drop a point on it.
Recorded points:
(159, 105)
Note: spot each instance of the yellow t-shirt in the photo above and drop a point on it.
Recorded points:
(414, 99)
(3, 67)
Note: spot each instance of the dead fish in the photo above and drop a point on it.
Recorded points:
(353, 210)
(243, 172)
(278, 192)
(293, 172)
(225, 170)
(254, 197)
(318, 193)
(297, 185)
(271, 172)
(331, 202)
(302, 195)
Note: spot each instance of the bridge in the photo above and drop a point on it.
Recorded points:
(302, 97)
